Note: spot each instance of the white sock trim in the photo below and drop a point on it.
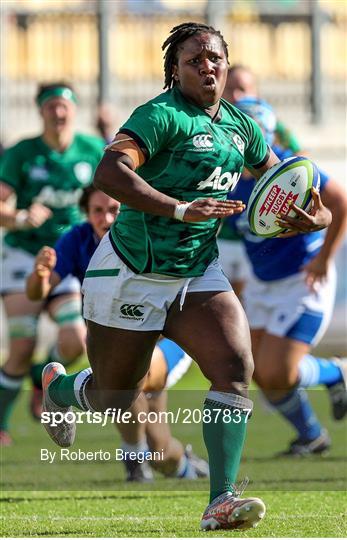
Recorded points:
(308, 371)
(182, 466)
(232, 400)
(10, 383)
(140, 446)
(79, 388)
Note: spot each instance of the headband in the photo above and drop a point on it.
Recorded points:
(60, 91)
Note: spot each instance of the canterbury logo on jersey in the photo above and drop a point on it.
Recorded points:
(203, 142)
(132, 311)
(219, 181)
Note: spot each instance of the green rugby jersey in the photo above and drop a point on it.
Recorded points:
(286, 138)
(37, 173)
(227, 233)
(190, 156)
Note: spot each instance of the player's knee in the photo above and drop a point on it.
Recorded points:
(22, 328)
(21, 351)
(68, 314)
(153, 384)
(71, 343)
(276, 379)
(242, 366)
(237, 368)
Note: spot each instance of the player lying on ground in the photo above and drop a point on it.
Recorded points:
(285, 326)
(172, 165)
(168, 364)
(46, 174)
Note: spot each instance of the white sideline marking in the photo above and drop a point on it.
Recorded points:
(89, 518)
(147, 518)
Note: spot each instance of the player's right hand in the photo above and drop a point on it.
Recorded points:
(45, 261)
(37, 215)
(205, 209)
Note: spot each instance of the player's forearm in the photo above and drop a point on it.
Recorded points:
(38, 287)
(335, 232)
(11, 218)
(334, 198)
(116, 178)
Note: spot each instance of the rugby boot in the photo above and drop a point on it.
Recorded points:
(197, 464)
(60, 431)
(229, 511)
(5, 438)
(338, 392)
(137, 471)
(303, 448)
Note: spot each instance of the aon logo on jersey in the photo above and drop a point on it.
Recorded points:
(219, 181)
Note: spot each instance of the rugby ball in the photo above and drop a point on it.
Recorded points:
(289, 180)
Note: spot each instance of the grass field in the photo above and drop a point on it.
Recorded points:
(304, 497)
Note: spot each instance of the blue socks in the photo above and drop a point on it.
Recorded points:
(296, 408)
(314, 371)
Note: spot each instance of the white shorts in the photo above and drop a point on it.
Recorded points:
(17, 264)
(287, 307)
(234, 261)
(114, 296)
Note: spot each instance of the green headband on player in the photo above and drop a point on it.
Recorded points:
(60, 91)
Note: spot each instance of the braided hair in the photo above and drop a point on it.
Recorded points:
(178, 34)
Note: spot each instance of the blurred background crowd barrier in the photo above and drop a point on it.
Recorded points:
(111, 52)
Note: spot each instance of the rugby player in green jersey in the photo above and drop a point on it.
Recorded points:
(171, 165)
(46, 174)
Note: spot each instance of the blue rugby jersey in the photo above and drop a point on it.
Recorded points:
(74, 251)
(274, 258)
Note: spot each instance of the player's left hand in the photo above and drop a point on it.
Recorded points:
(316, 271)
(318, 218)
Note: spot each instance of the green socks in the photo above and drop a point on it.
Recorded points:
(224, 436)
(9, 389)
(67, 390)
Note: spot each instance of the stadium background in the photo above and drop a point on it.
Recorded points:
(111, 51)
(43, 40)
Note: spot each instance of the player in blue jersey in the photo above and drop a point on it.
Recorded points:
(169, 363)
(171, 165)
(284, 326)
(241, 84)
